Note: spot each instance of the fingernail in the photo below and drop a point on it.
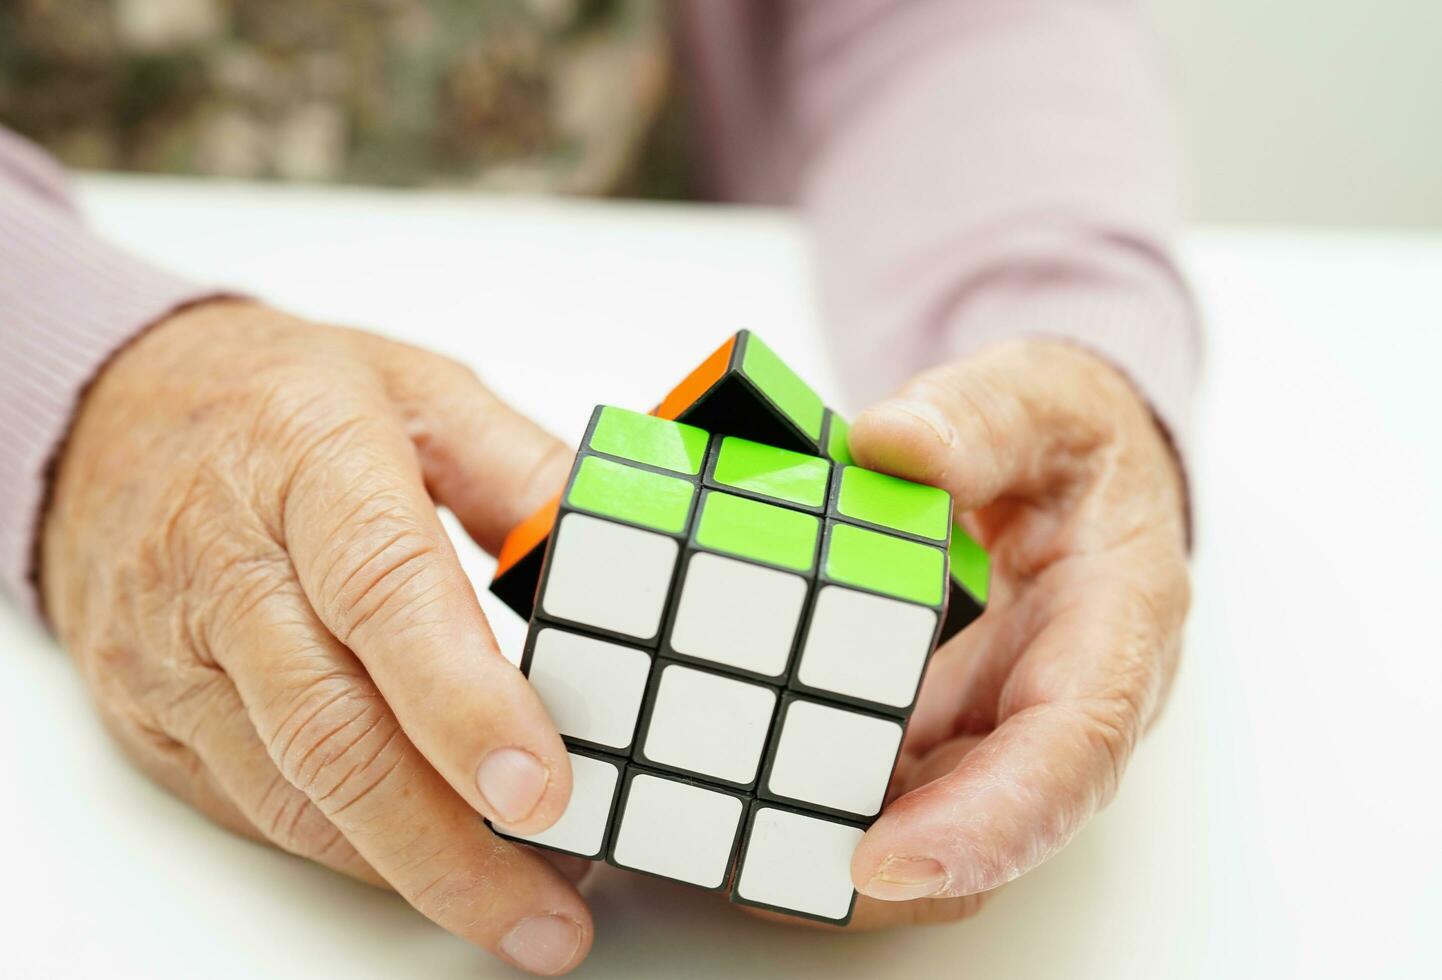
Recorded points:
(543, 944)
(901, 879)
(512, 781)
(931, 417)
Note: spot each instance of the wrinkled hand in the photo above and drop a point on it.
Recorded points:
(244, 557)
(1027, 718)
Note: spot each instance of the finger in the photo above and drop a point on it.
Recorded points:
(376, 565)
(575, 869)
(1016, 419)
(1072, 711)
(923, 769)
(179, 770)
(871, 915)
(944, 705)
(328, 730)
(492, 466)
(225, 740)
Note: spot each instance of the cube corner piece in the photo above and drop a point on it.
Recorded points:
(744, 389)
(585, 828)
(797, 863)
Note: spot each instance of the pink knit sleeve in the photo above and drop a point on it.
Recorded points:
(67, 302)
(973, 170)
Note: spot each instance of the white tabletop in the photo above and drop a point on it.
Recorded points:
(1282, 817)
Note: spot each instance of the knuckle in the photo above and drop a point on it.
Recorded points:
(449, 884)
(338, 743)
(548, 471)
(293, 822)
(991, 856)
(385, 571)
(457, 373)
(204, 565)
(1111, 727)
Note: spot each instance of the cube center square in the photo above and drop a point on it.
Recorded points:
(707, 725)
(730, 622)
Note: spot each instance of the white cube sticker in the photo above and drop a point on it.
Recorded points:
(736, 613)
(582, 827)
(592, 688)
(609, 575)
(866, 646)
(677, 830)
(708, 724)
(834, 757)
(798, 862)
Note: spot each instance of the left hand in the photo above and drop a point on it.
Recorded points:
(1026, 719)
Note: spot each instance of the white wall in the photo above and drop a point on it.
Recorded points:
(1310, 111)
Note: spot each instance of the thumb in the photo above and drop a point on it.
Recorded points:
(1009, 420)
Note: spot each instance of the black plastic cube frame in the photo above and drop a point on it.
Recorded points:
(621, 766)
(571, 741)
(708, 479)
(793, 678)
(673, 605)
(517, 585)
(740, 861)
(648, 708)
(833, 513)
(962, 609)
(618, 813)
(778, 723)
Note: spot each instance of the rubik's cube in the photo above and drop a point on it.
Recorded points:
(730, 634)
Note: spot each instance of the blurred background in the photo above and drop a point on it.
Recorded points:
(1315, 112)
(1296, 112)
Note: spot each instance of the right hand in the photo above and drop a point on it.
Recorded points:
(243, 555)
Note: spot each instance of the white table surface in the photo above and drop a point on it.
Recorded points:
(1282, 818)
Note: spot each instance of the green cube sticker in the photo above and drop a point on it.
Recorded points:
(762, 532)
(781, 384)
(838, 446)
(612, 489)
(771, 472)
(970, 564)
(890, 501)
(647, 439)
(883, 563)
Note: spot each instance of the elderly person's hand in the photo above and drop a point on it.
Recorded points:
(244, 557)
(1026, 720)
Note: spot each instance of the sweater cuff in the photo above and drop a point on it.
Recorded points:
(69, 301)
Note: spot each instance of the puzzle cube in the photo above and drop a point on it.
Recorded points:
(730, 637)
